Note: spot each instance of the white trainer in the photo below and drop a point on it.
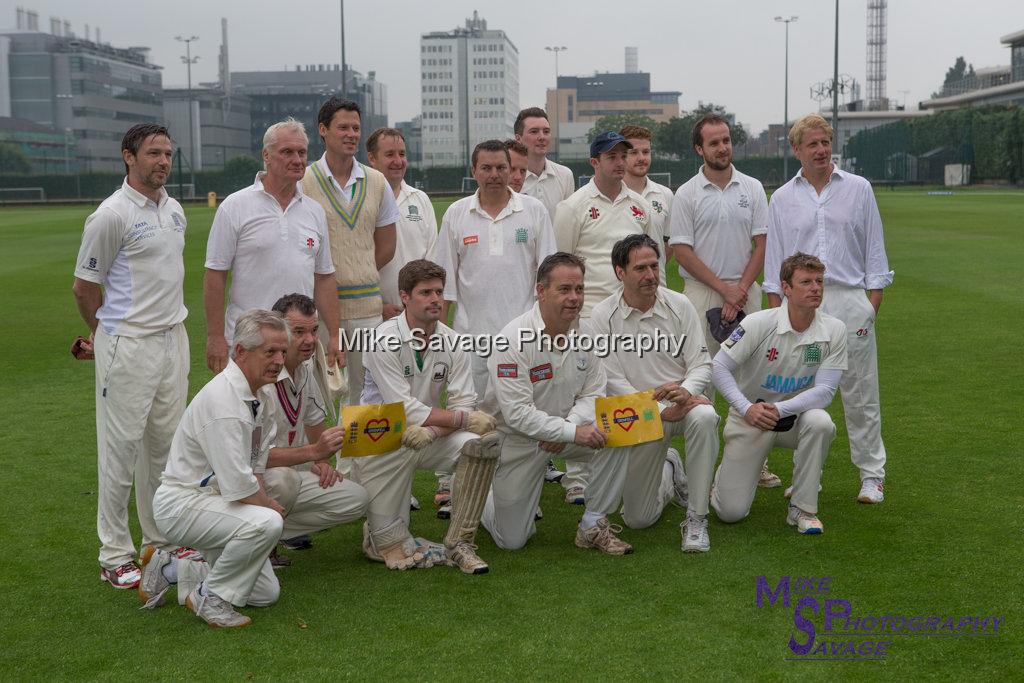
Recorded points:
(214, 610)
(805, 522)
(768, 479)
(871, 490)
(679, 485)
(695, 534)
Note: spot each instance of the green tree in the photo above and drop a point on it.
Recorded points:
(616, 122)
(959, 78)
(675, 135)
(13, 160)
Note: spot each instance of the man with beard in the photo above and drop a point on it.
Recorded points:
(638, 162)
(128, 287)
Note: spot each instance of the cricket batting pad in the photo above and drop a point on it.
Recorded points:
(394, 546)
(472, 480)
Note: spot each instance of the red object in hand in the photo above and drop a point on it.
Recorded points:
(81, 349)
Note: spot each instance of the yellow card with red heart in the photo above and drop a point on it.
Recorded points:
(372, 429)
(629, 420)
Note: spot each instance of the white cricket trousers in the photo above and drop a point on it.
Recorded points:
(141, 391)
(515, 492)
(704, 299)
(235, 538)
(746, 449)
(859, 385)
(308, 506)
(388, 478)
(648, 488)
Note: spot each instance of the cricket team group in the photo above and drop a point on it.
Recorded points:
(314, 259)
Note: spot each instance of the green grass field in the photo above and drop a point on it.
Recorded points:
(948, 541)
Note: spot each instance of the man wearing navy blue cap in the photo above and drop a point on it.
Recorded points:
(588, 224)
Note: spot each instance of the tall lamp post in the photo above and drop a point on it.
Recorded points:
(785, 107)
(558, 125)
(835, 88)
(189, 60)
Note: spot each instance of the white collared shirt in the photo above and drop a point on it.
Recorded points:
(417, 379)
(492, 262)
(672, 317)
(541, 393)
(841, 226)
(660, 199)
(416, 233)
(719, 223)
(387, 211)
(269, 251)
(554, 184)
(775, 362)
(132, 246)
(588, 224)
(223, 439)
(294, 403)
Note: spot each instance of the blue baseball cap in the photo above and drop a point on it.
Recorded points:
(605, 141)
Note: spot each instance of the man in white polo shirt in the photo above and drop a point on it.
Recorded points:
(677, 373)
(417, 360)
(518, 159)
(299, 473)
(588, 224)
(779, 370)
(272, 238)
(212, 496)
(416, 227)
(491, 244)
(545, 180)
(128, 288)
(833, 215)
(638, 163)
(545, 391)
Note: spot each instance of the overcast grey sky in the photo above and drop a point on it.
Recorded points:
(727, 51)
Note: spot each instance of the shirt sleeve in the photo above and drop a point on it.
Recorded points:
(445, 255)
(594, 385)
(387, 212)
(101, 241)
(837, 354)
(314, 410)
(386, 373)
(567, 182)
(680, 219)
(223, 240)
(545, 234)
(826, 382)
(773, 251)
(759, 217)
(461, 392)
(695, 353)
(510, 376)
(876, 268)
(227, 444)
(724, 381)
(566, 227)
(430, 224)
(324, 264)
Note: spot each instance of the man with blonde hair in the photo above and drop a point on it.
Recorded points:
(832, 214)
(273, 239)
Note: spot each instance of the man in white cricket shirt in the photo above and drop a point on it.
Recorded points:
(128, 288)
(212, 495)
(518, 157)
(273, 240)
(545, 391)
(545, 180)
(416, 227)
(638, 163)
(779, 370)
(833, 215)
(676, 371)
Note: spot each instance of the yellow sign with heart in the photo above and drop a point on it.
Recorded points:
(630, 419)
(372, 429)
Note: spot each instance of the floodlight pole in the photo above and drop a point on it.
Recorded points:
(189, 61)
(835, 85)
(558, 121)
(785, 106)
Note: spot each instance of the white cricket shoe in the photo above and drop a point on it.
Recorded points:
(679, 485)
(805, 522)
(871, 490)
(695, 534)
(768, 479)
(214, 610)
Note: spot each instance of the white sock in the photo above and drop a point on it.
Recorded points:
(690, 514)
(170, 570)
(590, 519)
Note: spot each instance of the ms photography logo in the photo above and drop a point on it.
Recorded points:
(826, 628)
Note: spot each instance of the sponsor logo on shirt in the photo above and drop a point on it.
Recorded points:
(92, 263)
(310, 244)
(784, 385)
(862, 332)
(736, 335)
(812, 355)
(581, 363)
(414, 214)
(744, 201)
(521, 235)
(407, 371)
(440, 371)
(772, 354)
(541, 372)
(470, 239)
(508, 371)
(179, 223)
(594, 213)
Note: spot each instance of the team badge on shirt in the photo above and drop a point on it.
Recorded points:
(581, 363)
(179, 224)
(812, 355)
(414, 213)
(656, 205)
(772, 354)
(744, 201)
(638, 213)
(594, 213)
(508, 371)
(440, 371)
(470, 239)
(310, 244)
(736, 335)
(541, 372)
(407, 371)
(521, 235)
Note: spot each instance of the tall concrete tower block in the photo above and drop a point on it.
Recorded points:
(632, 60)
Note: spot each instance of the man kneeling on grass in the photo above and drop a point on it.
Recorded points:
(212, 491)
